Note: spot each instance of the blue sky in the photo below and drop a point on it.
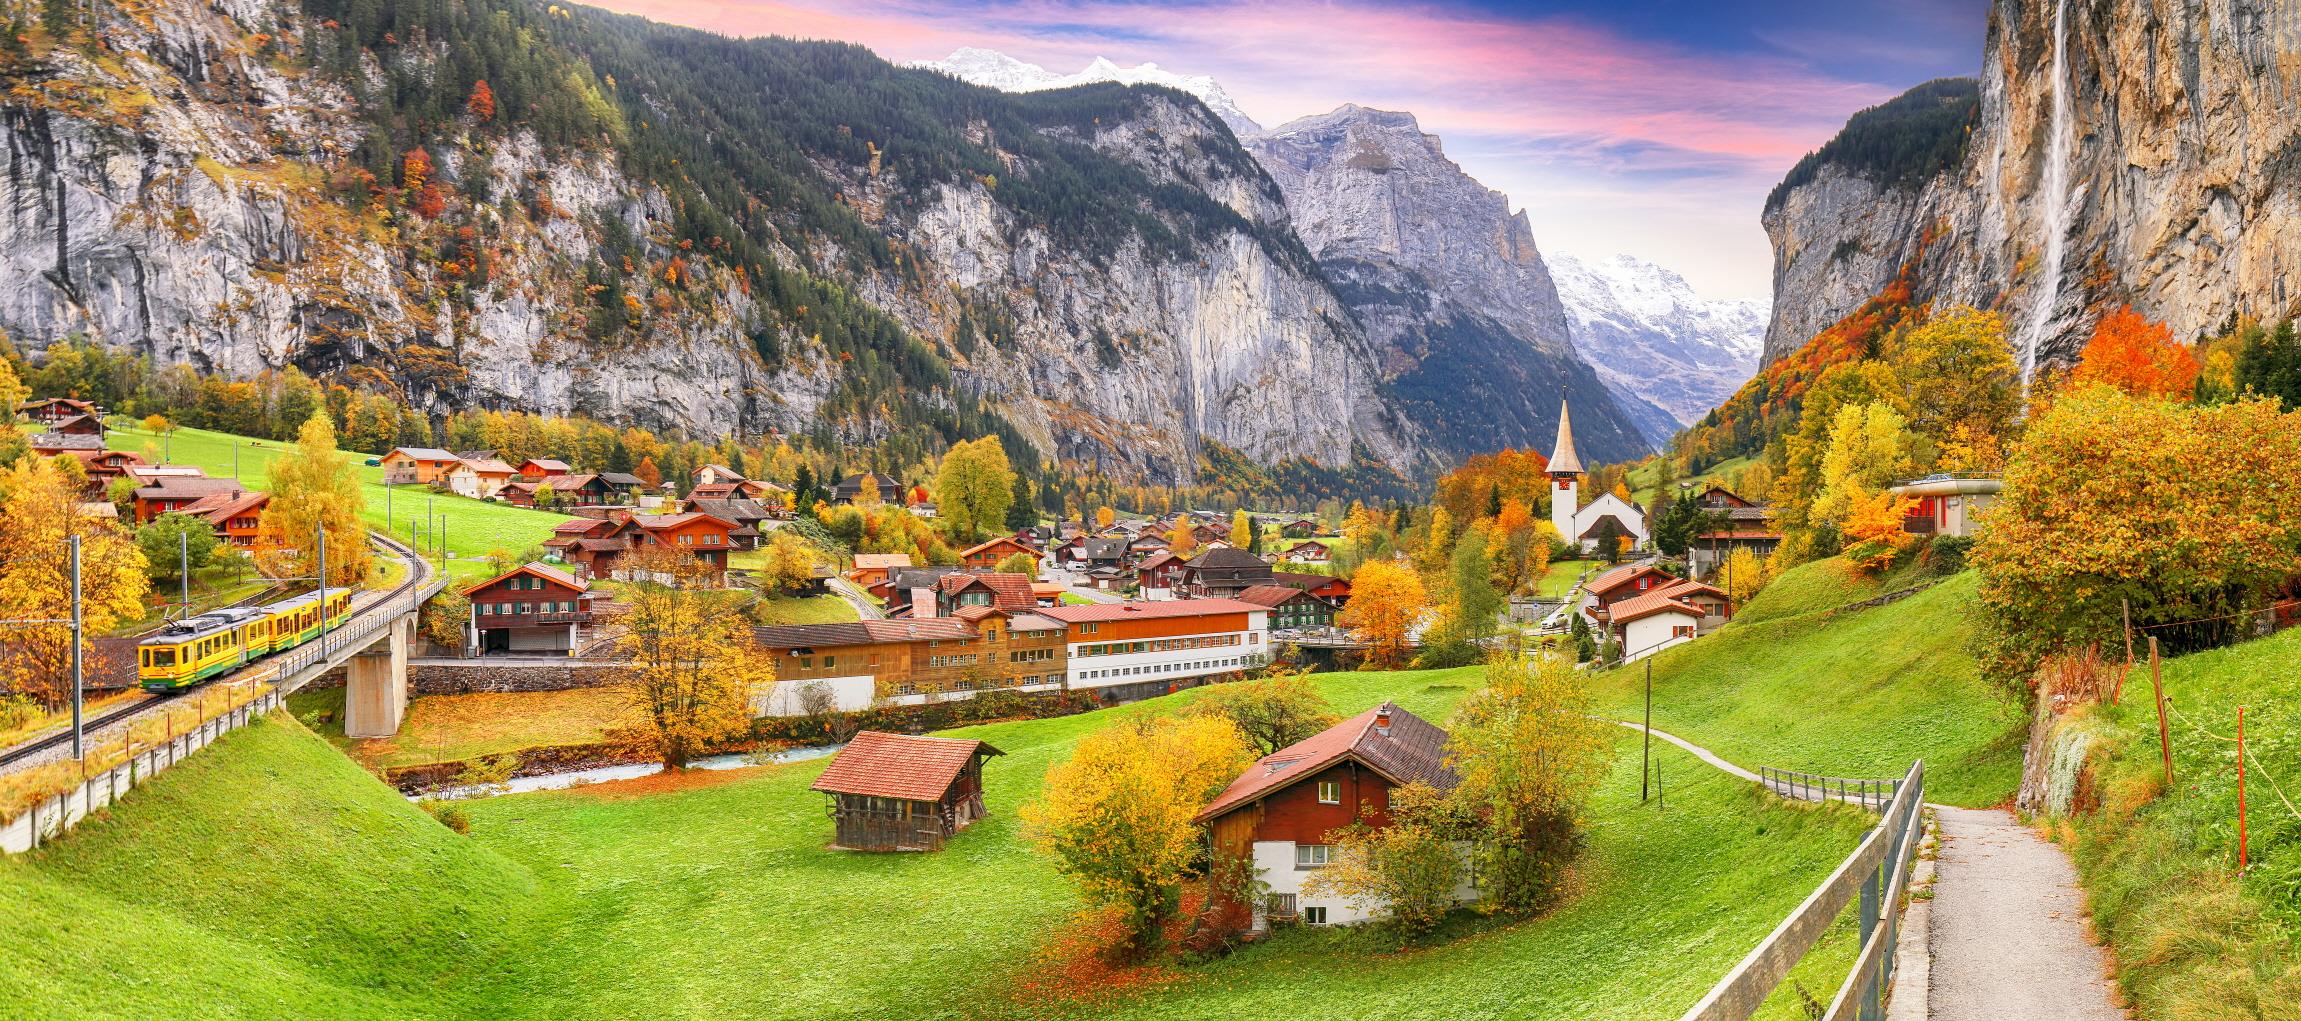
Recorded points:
(1653, 129)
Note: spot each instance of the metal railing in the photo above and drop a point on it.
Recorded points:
(1874, 795)
(1878, 873)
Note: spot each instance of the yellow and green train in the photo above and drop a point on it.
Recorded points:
(197, 648)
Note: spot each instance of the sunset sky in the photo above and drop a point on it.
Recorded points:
(1654, 129)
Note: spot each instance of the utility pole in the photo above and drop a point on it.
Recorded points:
(323, 530)
(184, 569)
(79, 738)
(1646, 761)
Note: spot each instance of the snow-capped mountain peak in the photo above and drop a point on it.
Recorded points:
(996, 70)
(1648, 332)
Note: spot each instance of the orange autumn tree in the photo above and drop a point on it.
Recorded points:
(1118, 816)
(2186, 515)
(1386, 601)
(2137, 356)
(482, 101)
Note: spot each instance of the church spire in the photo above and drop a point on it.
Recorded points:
(1563, 460)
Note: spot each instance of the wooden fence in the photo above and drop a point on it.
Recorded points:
(51, 818)
(1878, 872)
(1874, 795)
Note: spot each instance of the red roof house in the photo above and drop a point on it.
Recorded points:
(1280, 812)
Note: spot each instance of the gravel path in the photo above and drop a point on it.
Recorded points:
(2007, 929)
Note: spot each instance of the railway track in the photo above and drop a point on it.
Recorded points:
(419, 574)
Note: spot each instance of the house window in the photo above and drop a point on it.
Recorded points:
(1330, 792)
(1314, 916)
(1311, 856)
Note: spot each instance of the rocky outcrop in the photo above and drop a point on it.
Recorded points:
(2182, 156)
(1446, 280)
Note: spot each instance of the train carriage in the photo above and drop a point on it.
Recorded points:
(193, 650)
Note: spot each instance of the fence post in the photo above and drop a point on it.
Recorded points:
(2164, 732)
(2241, 860)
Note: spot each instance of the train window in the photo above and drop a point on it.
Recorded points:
(163, 657)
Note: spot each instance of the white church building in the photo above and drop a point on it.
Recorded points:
(1581, 524)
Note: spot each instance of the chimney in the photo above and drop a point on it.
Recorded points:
(1382, 720)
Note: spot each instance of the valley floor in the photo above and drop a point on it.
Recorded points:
(272, 871)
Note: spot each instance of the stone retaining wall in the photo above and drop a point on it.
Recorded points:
(475, 676)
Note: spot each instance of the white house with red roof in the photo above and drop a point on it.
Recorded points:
(1281, 813)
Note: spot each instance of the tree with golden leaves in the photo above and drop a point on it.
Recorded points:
(2140, 357)
(692, 670)
(1182, 539)
(1529, 752)
(314, 488)
(39, 511)
(1387, 601)
(1117, 816)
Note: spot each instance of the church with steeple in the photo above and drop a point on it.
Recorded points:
(1578, 523)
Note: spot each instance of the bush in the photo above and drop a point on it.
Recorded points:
(449, 814)
(1946, 554)
(17, 710)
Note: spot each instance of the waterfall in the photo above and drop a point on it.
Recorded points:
(2057, 194)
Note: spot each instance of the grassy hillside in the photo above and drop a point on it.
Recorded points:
(2193, 936)
(1793, 684)
(267, 875)
(273, 872)
(473, 527)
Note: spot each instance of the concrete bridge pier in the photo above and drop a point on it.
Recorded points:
(375, 683)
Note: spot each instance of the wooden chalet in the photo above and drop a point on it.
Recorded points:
(532, 608)
(580, 489)
(1223, 572)
(852, 488)
(750, 517)
(702, 536)
(480, 478)
(1306, 552)
(537, 469)
(103, 466)
(418, 466)
(51, 410)
(1301, 528)
(893, 792)
(1278, 813)
(1290, 608)
(77, 425)
(987, 555)
(1160, 572)
(1336, 591)
(167, 493)
(237, 518)
(871, 568)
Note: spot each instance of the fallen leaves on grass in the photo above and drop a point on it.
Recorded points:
(1081, 965)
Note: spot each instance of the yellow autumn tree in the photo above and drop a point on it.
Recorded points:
(1104, 517)
(1387, 600)
(692, 670)
(313, 488)
(1529, 750)
(1868, 449)
(39, 511)
(1117, 817)
(1743, 576)
(1181, 538)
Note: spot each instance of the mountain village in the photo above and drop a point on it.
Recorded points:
(512, 509)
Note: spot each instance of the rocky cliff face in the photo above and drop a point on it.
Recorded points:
(1447, 281)
(2179, 147)
(1652, 337)
(183, 187)
(1126, 363)
(172, 195)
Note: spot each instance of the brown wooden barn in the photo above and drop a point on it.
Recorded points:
(893, 792)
